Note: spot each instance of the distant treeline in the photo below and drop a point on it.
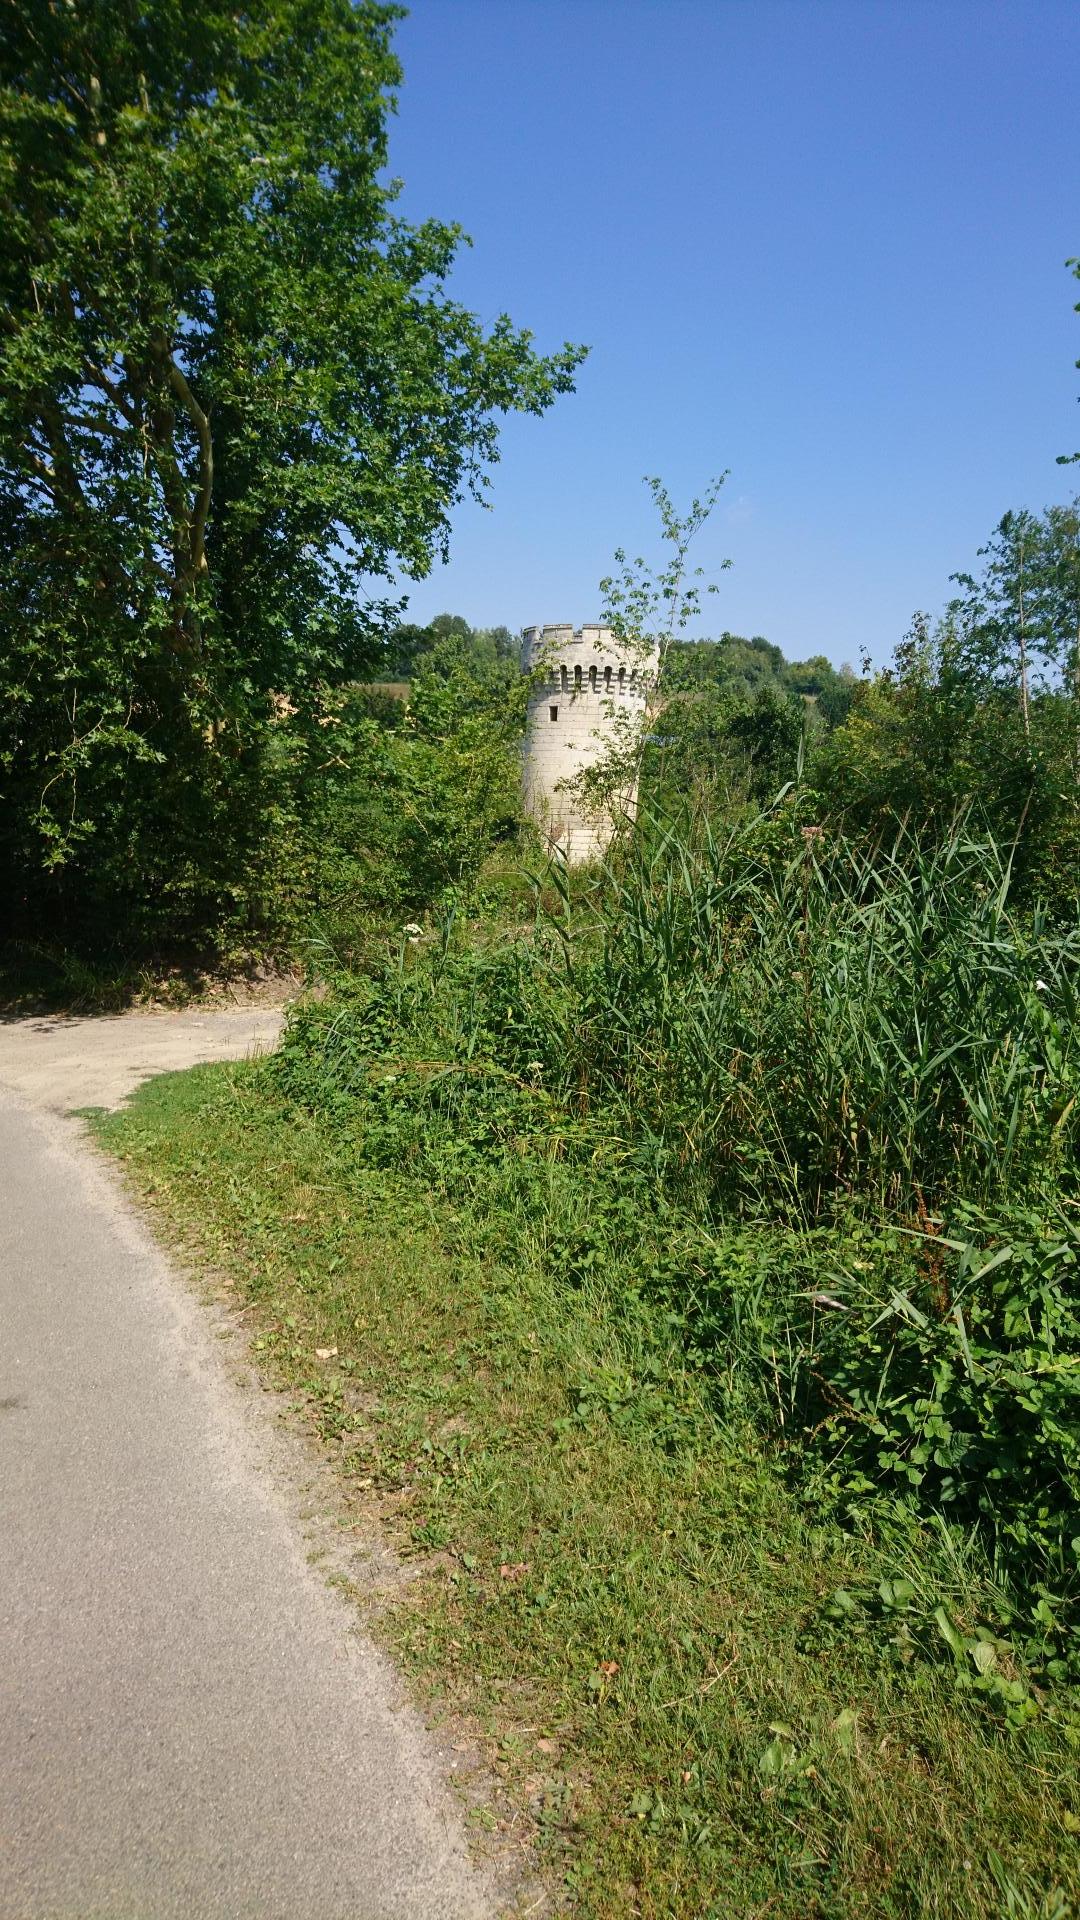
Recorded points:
(447, 644)
(744, 667)
(731, 662)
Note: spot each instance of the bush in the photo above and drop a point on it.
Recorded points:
(820, 1109)
(956, 1379)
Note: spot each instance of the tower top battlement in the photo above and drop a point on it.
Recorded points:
(562, 640)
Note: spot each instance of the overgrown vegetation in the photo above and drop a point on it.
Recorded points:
(698, 1238)
(708, 1689)
(843, 1092)
(386, 806)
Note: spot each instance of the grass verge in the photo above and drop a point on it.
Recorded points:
(707, 1700)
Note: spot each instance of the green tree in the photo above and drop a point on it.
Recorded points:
(1060, 597)
(979, 712)
(768, 731)
(448, 648)
(999, 612)
(234, 394)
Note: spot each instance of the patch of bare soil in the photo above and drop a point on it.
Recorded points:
(63, 1062)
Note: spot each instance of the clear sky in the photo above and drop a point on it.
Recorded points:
(818, 242)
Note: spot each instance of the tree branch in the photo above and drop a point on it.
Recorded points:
(201, 423)
(94, 423)
(96, 377)
(64, 466)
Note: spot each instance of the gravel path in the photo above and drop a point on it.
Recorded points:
(96, 1060)
(191, 1724)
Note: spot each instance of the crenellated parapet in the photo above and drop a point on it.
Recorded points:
(579, 661)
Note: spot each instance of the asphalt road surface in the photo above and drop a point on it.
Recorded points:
(192, 1724)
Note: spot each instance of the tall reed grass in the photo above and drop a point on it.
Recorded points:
(792, 1022)
(822, 1097)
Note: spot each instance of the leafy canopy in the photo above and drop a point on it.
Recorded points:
(234, 393)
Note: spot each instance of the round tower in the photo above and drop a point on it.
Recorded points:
(587, 703)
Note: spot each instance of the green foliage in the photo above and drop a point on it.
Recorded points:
(233, 393)
(449, 644)
(716, 751)
(791, 1020)
(743, 668)
(979, 713)
(403, 814)
(700, 1693)
(826, 1106)
(1018, 623)
(956, 1378)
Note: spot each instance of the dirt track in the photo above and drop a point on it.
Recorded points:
(60, 1063)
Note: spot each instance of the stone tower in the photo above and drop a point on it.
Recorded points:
(588, 698)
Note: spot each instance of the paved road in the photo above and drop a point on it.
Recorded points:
(191, 1725)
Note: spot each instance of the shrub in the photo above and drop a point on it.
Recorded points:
(819, 1108)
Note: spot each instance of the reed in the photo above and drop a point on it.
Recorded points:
(791, 1023)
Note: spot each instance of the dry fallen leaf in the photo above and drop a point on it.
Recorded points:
(326, 1353)
(610, 1667)
(515, 1572)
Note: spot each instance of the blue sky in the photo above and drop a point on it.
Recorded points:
(818, 243)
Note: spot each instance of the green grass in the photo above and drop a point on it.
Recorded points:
(614, 1583)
